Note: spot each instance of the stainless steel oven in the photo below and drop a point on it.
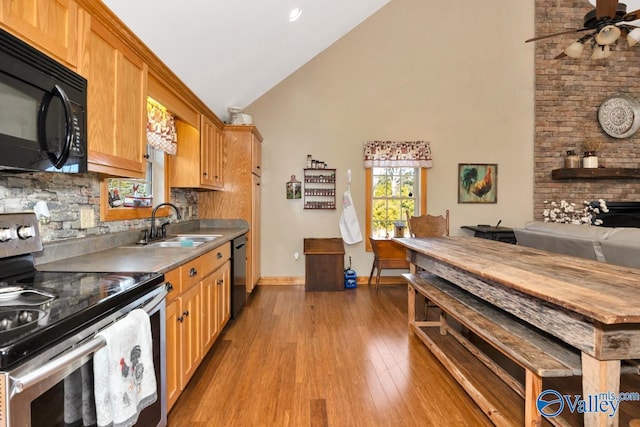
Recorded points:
(34, 391)
(48, 327)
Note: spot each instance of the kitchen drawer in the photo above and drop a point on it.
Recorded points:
(212, 260)
(173, 277)
(191, 273)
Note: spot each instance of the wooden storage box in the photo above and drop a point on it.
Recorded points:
(324, 264)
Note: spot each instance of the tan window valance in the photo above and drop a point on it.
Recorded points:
(413, 154)
(161, 128)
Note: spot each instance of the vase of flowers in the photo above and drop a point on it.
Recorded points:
(568, 213)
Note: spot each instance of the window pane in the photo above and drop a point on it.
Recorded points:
(381, 186)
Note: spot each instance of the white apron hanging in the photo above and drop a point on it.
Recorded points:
(349, 226)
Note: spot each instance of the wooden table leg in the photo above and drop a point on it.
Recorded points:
(600, 376)
(411, 307)
(533, 388)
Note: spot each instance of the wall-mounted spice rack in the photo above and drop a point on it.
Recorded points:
(319, 188)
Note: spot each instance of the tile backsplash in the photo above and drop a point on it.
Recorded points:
(66, 195)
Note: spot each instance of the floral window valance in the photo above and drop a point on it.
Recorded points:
(413, 154)
(161, 128)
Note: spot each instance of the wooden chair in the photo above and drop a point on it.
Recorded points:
(387, 254)
(428, 225)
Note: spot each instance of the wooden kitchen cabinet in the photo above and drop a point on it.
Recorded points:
(240, 197)
(174, 354)
(216, 304)
(116, 101)
(183, 354)
(223, 290)
(200, 161)
(198, 308)
(49, 25)
(190, 316)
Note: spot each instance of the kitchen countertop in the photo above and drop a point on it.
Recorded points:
(130, 257)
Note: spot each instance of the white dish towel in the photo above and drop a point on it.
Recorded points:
(124, 378)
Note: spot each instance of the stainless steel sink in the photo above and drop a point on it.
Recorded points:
(173, 244)
(197, 237)
(181, 241)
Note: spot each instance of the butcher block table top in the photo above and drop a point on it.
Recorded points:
(604, 292)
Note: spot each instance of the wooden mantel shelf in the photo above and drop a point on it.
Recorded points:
(595, 173)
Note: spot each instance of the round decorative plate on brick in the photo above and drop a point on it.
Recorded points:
(619, 116)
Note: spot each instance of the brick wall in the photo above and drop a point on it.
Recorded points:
(65, 195)
(568, 94)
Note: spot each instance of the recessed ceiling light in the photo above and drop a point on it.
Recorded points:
(295, 14)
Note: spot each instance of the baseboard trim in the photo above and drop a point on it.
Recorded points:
(360, 280)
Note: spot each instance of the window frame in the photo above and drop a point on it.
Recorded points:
(422, 200)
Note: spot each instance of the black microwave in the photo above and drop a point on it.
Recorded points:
(43, 104)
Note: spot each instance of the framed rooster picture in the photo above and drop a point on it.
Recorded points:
(477, 183)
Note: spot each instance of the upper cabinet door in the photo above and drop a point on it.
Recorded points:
(256, 154)
(211, 160)
(116, 103)
(199, 163)
(49, 25)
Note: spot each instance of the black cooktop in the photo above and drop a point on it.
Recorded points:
(38, 308)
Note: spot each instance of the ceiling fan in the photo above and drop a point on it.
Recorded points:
(605, 23)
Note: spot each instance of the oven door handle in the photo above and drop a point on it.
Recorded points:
(26, 381)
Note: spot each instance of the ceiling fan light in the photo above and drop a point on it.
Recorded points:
(601, 52)
(633, 37)
(574, 50)
(608, 35)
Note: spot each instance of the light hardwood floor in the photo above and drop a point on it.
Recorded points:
(296, 358)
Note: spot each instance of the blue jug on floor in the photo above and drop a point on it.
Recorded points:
(350, 277)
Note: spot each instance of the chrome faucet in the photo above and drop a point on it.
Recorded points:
(154, 232)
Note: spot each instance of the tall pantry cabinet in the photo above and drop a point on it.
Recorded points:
(240, 196)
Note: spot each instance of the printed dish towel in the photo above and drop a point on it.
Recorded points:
(124, 378)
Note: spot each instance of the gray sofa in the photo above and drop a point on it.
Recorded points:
(616, 245)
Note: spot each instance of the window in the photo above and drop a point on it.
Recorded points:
(394, 192)
(396, 182)
(391, 192)
(129, 198)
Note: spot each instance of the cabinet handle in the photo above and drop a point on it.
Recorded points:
(169, 287)
(193, 272)
(180, 319)
(204, 173)
(186, 313)
(219, 255)
(146, 156)
(220, 281)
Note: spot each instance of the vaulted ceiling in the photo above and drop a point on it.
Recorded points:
(230, 52)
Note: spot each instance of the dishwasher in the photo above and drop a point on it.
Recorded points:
(239, 274)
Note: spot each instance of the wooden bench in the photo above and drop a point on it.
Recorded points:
(539, 355)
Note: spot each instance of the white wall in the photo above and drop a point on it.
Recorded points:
(455, 73)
